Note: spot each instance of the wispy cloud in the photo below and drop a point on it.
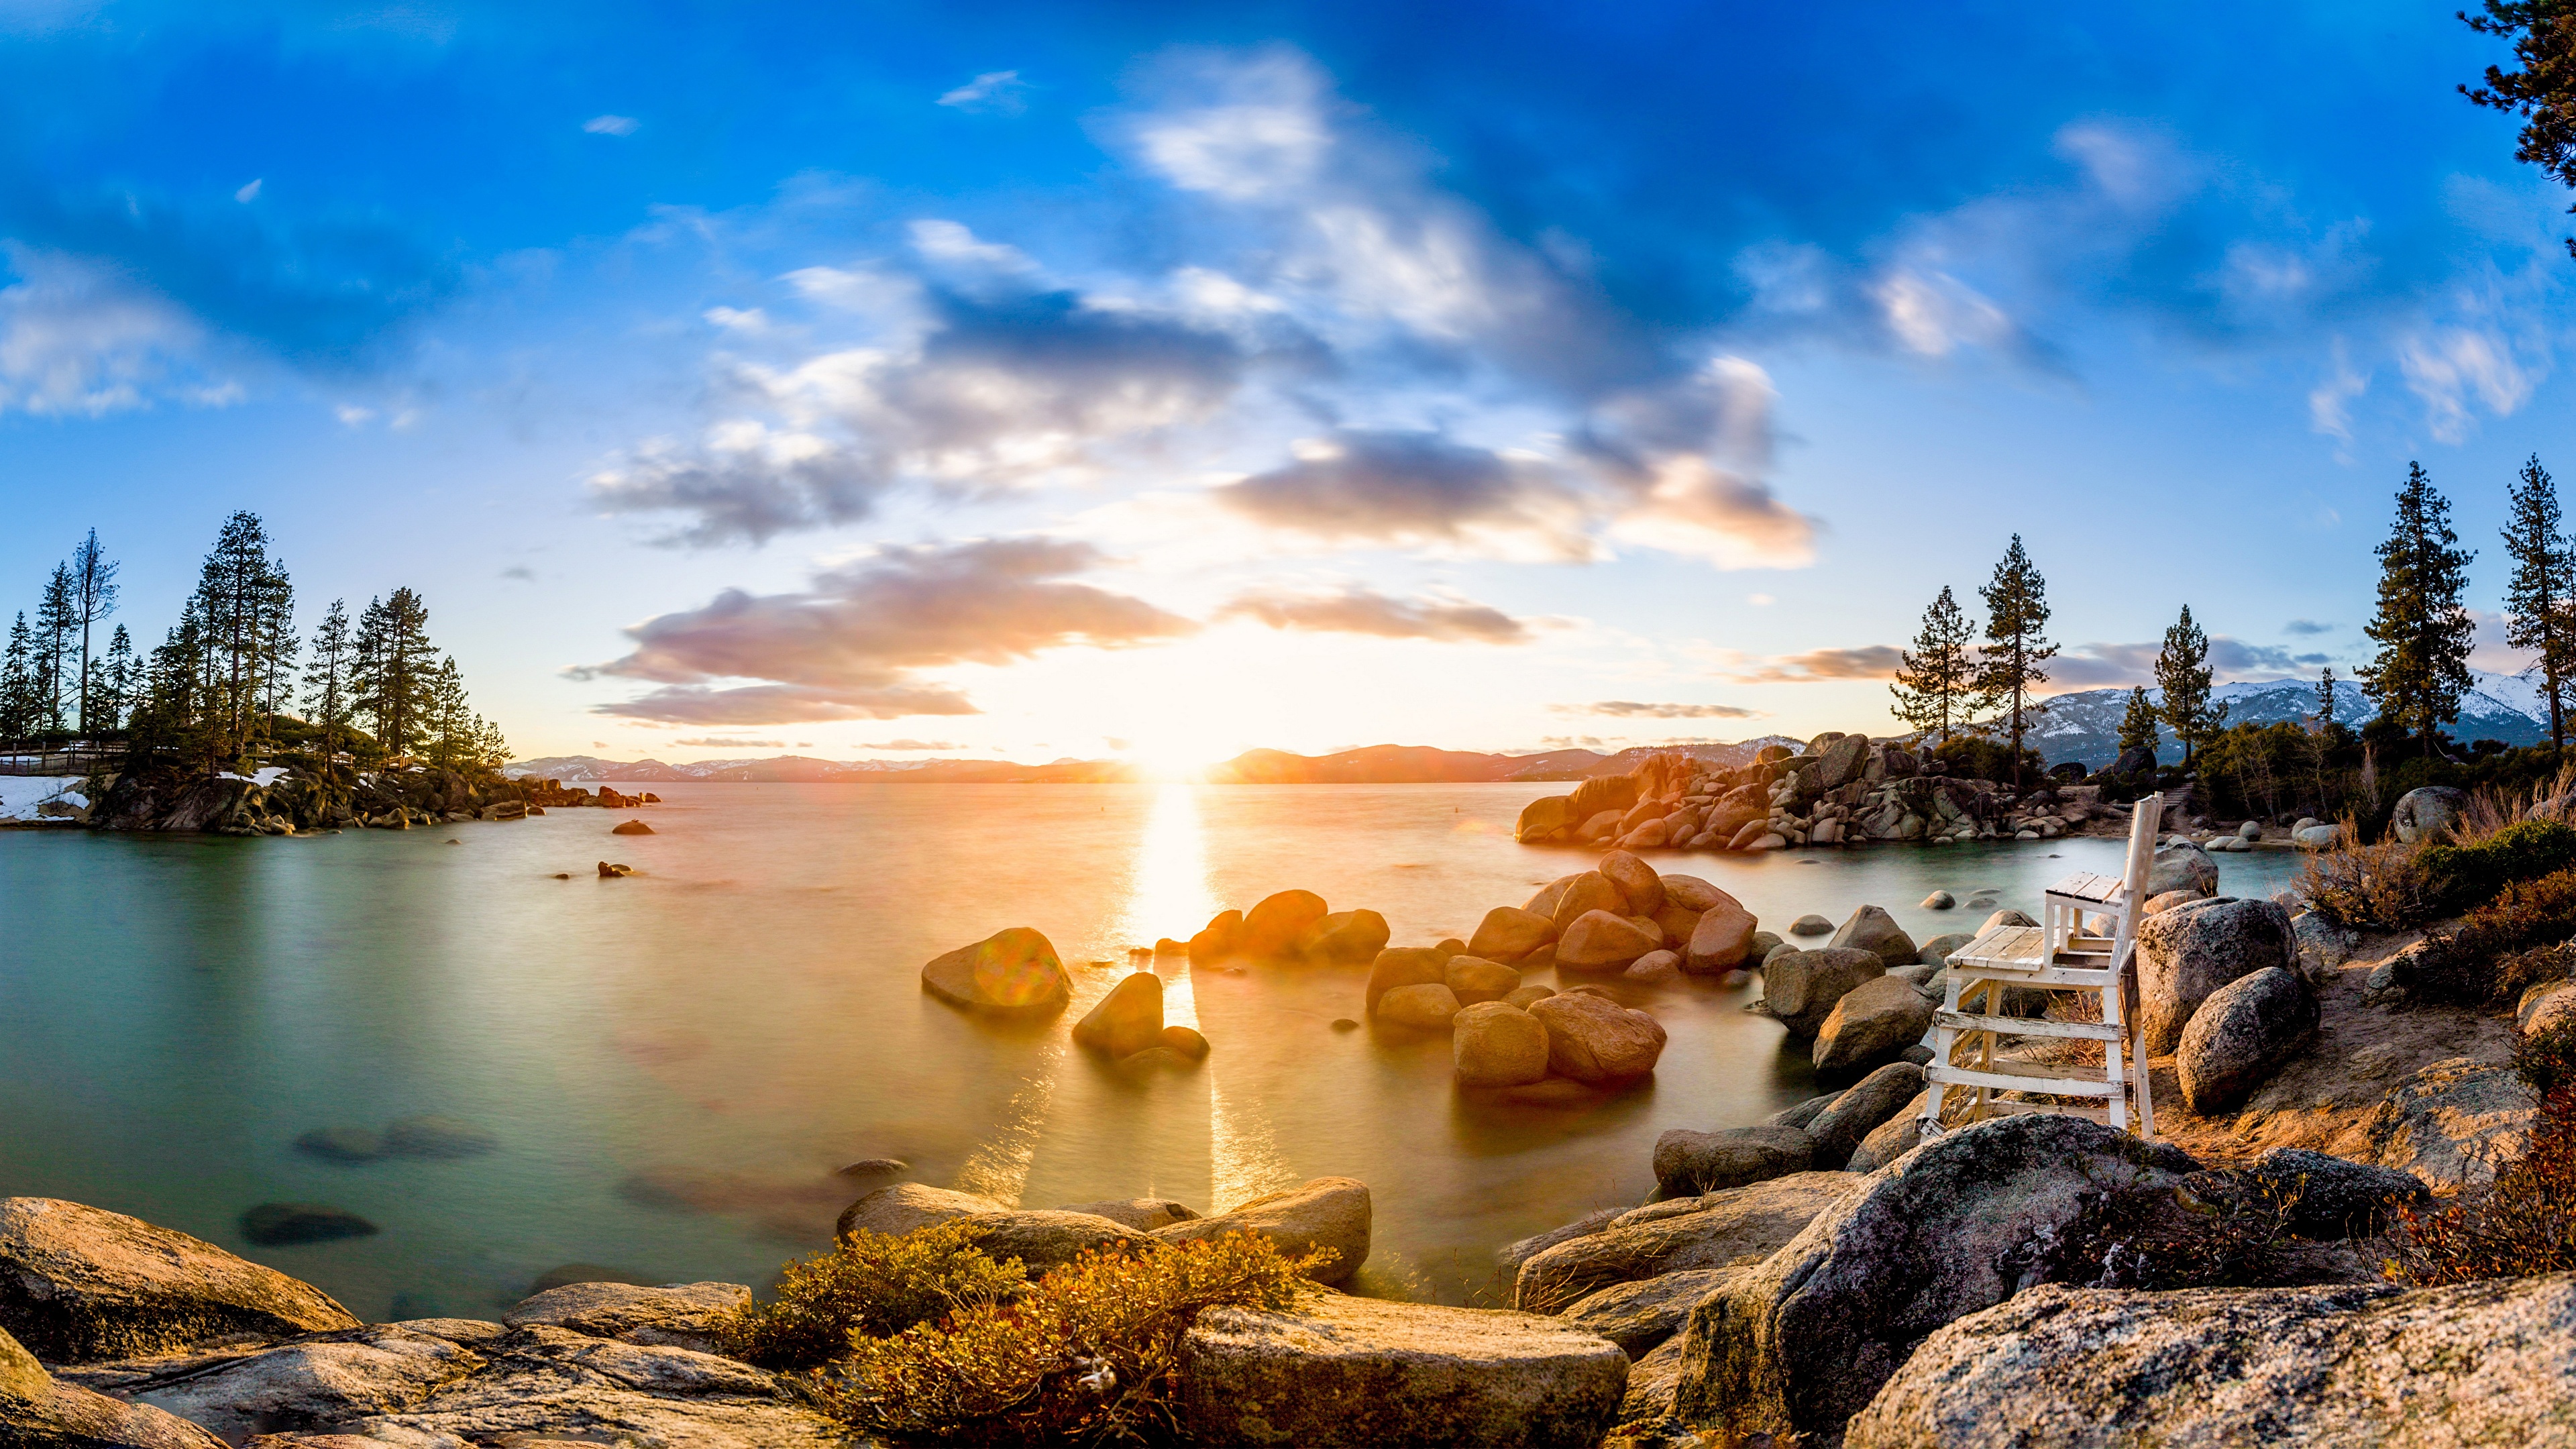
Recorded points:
(1633, 709)
(712, 742)
(912, 745)
(994, 90)
(1361, 611)
(611, 125)
(1868, 661)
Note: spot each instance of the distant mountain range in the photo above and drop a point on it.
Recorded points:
(1374, 765)
(2085, 726)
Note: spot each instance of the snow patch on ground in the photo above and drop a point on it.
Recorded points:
(21, 794)
(265, 775)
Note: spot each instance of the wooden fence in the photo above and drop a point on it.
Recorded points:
(59, 762)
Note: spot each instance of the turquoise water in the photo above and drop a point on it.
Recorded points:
(673, 1064)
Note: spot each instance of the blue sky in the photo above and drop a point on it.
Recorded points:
(1164, 380)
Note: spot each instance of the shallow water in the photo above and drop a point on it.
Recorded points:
(673, 1064)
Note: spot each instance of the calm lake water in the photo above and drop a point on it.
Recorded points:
(673, 1064)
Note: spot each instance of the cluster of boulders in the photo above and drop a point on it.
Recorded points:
(388, 799)
(1842, 789)
(1290, 926)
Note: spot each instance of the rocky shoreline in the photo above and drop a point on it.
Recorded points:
(281, 801)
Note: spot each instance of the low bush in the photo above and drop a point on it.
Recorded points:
(874, 1285)
(2462, 876)
(1974, 757)
(1085, 1355)
(2523, 1223)
(2501, 947)
(2238, 1236)
(2379, 887)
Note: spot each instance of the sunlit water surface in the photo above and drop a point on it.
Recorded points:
(673, 1064)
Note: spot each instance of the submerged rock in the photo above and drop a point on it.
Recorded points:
(1012, 972)
(1428, 1007)
(341, 1144)
(1272, 928)
(437, 1137)
(285, 1224)
(79, 1284)
(1127, 1020)
(631, 827)
(1495, 1044)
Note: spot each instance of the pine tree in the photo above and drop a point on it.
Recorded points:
(2138, 725)
(2423, 632)
(242, 595)
(396, 678)
(450, 724)
(1935, 681)
(2182, 672)
(492, 750)
(329, 700)
(2540, 601)
(18, 690)
(2009, 667)
(56, 620)
(117, 678)
(2325, 700)
(93, 597)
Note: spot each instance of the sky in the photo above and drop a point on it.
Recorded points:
(1161, 381)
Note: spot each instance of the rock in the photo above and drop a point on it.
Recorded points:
(1936, 952)
(1013, 972)
(437, 1137)
(1638, 884)
(1962, 1223)
(563, 1273)
(1676, 924)
(1708, 1231)
(1272, 928)
(1527, 994)
(2250, 830)
(1939, 901)
(1127, 1020)
(1768, 840)
(905, 1206)
(1144, 1214)
(1801, 987)
(1691, 893)
(1870, 1024)
(342, 1144)
(1046, 1239)
(2240, 1035)
(2188, 952)
(1600, 941)
(2428, 812)
(1645, 837)
(39, 1412)
(1546, 818)
(1507, 934)
(1723, 939)
(1839, 764)
(1404, 966)
(1345, 938)
(1688, 1162)
(1184, 1042)
(1340, 1371)
(2316, 837)
(1802, 1114)
(1594, 1039)
(632, 827)
(1641, 1314)
(378, 1370)
(1900, 1134)
(1603, 792)
(1223, 936)
(2336, 1198)
(1810, 925)
(1328, 1212)
(1874, 930)
(1584, 894)
(1513, 1254)
(2182, 866)
(1651, 1381)
(2322, 945)
(2478, 1363)
(1427, 1007)
(2158, 905)
(1659, 968)
(1839, 1130)
(1495, 1044)
(2135, 760)
(2451, 1122)
(1544, 902)
(614, 872)
(676, 1315)
(2004, 918)
(1473, 979)
(1763, 944)
(285, 1224)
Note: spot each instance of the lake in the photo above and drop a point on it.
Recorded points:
(672, 1065)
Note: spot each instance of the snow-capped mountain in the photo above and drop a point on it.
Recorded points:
(2085, 726)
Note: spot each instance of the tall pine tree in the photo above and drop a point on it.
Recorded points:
(56, 621)
(242, 595)
(2540, 599)
(2422, 629)
(117, 678)
(1935, 684)
(2008, 670)
(2138, 723)
(397, 670)
(18, 687)
(330, 700)
(93, 597)
(2182, 672)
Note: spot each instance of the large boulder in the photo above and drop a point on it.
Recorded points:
(1221, 939)
(1584, 894)
(79, 1284)
(1356, 1372)
(1127, 1020)
(1344, 938)
(2181, 866)
(1641, 1314)
(1329, 1212)
(1842, 1126)
(312, 1384)
(2188, 952)
(1600, 941)
(1495, 1044)
(1548, 817)
(2453, 1121)
(1960, 1224)
(1801, 987)
(676, 1315)
(1473, 979)
(1691, 893)
(1874, 1022)
(1603, 792)
(2240, 1036)
(1840, 763)
(1508, 933)
(1046, 1238)
(1688, 1162)
(1594, 1039)
(2332, 1197)
(1272, 929)
(1723, 938)
(2492, 1362)
(1428, 1007)
(1870, 928)
(896, 1210)
(1013, 972)
(1144, 1214)
(1398, 966)
(1708, 1231)
(38, 1412)
(1638, 884)
(2428, 812)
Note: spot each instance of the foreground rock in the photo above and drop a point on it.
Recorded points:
(1594, 1039)
(2195, 948)
(1362, 1372)
(1046, 1238)
(2240, 1036)
(1867, 1105)
(1873, 1023)
(2451, 1122)
(899, 1209)
(317, 1382)
(2481, 1363)
(678, 1315)
(1801, 987)
(1329, 1212)
(1494, 1044)
(78, 1284)
(1641, 1314)
(1012, 972)
(550, 1386)
(37, 1412)
(1961, 1224)
(1688, 1162)
(1711, 1231)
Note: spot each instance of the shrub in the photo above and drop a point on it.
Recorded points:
(2499, 948)
(2379, 887)
(1974, 757)
(2521, 1224)
(2461, 876)
(2548, 1061)
(2234, 1237)
(875, 1285)
(1085, 1354)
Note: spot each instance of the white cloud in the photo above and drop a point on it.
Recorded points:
(78, 338)
(249, 193)
(1933, 313)
(2328, 410)
(738, 319)
(1255, 129)
(611, 125)
(994, 90)
(2445, 368)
